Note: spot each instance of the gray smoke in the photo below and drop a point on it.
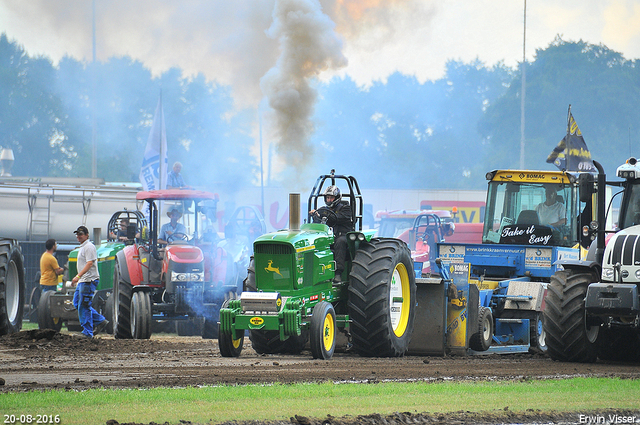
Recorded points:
(309, 45)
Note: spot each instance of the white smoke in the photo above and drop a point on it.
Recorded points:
(308, 45)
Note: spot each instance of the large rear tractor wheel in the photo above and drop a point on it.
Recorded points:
(12, 287)
(229, 347)
(568, 336)
(382, 298)
(322, 337)
(45, 321)
(108, 313)
(122, 292)
(481, 339)
(141, 315)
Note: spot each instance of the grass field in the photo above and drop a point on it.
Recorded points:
(278, 401)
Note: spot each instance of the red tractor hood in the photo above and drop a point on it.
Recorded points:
(184, 254)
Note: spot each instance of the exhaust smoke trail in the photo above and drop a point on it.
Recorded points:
(309, 45)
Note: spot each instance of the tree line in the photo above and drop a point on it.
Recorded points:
(399, 133)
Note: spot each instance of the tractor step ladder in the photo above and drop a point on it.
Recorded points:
(39, 216)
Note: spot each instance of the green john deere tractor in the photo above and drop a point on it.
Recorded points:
(290, 297)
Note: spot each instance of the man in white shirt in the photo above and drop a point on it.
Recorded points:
(87, 281)
(551, 212)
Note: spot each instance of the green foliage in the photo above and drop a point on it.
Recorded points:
(278, 401)
(400, 133)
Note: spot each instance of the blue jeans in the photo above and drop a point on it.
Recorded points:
(46, 288)
(82, 300)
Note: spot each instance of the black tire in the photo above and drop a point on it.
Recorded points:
(34, 300)
(482, 336)
(229, 347)
(322, 336)
(382, 271)
(45, 321)
(108, 313)
(569, 338)
(12, 287)
(622, 345)
(122, 292)
(537, 334)
(141, 315)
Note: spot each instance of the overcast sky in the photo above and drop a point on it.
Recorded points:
(227, 40)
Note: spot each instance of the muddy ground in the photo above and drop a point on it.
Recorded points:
(38, 360)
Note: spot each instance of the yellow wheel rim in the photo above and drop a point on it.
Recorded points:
(236, 342)
(328, 332)
(399, 300)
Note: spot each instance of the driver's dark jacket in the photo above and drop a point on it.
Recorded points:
(344, 223)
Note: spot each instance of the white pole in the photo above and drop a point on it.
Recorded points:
(523, 91)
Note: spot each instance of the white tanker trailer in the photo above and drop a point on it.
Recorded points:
(36, 209)
(33, 210)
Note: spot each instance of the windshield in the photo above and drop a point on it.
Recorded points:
(531, 214)
(631, 216)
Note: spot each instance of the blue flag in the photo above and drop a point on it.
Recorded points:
(572, 153)
(153, 174)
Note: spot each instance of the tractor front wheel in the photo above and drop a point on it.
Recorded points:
(229, 347)
(121, 306)
(45, 321)
(483, 336)
(569, 337)
(382, 298)
(322, 337)
(141, 315)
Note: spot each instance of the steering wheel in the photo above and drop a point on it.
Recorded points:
(327, 215)
(177, 236)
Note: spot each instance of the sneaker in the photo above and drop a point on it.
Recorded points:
(84, 336)
(100, 327)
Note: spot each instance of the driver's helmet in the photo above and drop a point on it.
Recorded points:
(332, 191)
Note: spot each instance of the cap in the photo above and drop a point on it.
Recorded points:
(82, 229)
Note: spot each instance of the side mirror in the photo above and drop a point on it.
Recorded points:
(586, 186)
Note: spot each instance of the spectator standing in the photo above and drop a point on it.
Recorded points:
(87, 280)
(49, 268)
(175, 180)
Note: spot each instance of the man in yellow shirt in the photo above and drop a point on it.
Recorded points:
(49, 268)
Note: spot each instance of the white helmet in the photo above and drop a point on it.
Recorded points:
(332, 191)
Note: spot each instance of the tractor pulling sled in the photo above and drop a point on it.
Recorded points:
(290, 297)
(490, 297)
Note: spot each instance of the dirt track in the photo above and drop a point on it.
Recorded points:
(37, 359)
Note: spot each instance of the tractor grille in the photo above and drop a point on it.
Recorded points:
(273, 249)
(625, 251)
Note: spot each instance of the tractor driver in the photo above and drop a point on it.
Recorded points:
(173, 228)
(341, 224)
(551, 212)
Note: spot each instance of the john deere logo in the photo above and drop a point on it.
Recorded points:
(270, 268)
(279, 302)
(257, 321)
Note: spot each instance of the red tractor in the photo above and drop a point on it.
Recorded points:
(156, 282)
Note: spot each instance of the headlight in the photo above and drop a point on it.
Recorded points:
(183, 277)
(638, 274)
(352, 236)
(178, 277)
(360, 237)
(607, 274)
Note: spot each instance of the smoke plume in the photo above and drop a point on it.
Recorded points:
(308, 45)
